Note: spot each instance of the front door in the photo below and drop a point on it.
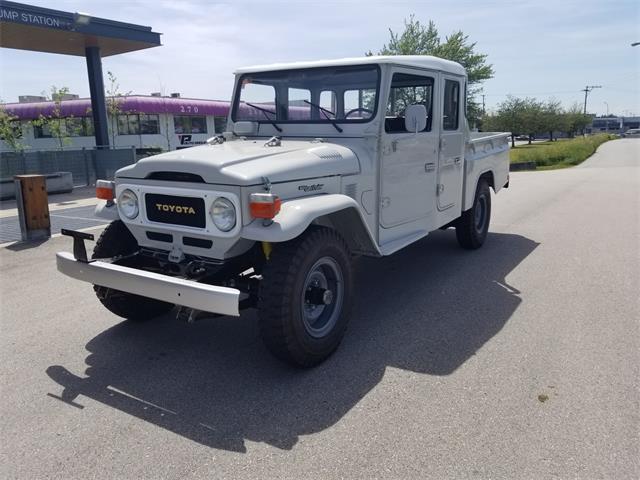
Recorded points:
(409, 159)
(451, 158)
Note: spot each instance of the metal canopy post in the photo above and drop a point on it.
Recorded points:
(98, 101)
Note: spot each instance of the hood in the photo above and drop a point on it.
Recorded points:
(245, 162)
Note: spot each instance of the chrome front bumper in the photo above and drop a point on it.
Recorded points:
(187, 293)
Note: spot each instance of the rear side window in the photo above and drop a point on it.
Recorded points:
(407, 90)
(451, 105)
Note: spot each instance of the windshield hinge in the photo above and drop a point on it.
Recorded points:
(274, 141)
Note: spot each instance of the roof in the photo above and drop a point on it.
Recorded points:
(130, 104)
(420, 61)
(27, 27)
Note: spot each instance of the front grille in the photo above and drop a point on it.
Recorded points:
(175, 210)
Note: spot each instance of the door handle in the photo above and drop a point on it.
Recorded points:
(457, 160)
(429, 167)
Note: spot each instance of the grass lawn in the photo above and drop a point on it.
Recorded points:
(559, 154)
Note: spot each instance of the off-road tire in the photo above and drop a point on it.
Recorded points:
(473, 225)
(283, 324)
(117, 240)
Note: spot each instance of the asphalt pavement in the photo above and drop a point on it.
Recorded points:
(518, 361)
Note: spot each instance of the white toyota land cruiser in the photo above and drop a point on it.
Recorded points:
(322, 161)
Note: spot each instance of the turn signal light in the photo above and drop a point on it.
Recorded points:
(264, 205)
(105, 190)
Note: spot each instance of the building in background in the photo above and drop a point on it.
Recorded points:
(613, 124)
(143, 122)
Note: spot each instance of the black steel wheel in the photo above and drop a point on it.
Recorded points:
(473, 225)
(306, 296)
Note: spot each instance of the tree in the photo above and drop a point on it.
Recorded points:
(576, 120)
(10, 130)
(510, 117)
(60, 127)
(418, 39)
(554, 119)
(532, 117)
(114, 102)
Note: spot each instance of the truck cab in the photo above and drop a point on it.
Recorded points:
(322, 162)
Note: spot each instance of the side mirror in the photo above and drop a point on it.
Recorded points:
(415, 118)
(245, 128)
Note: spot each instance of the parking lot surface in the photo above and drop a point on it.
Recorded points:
(520, 360)
(76, 218)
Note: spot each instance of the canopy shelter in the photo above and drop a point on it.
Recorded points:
(26, 27)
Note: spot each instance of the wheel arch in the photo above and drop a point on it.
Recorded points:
(469, 194)
(336, 211)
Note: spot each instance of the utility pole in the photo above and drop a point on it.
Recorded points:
(483, 110)
(586, 91)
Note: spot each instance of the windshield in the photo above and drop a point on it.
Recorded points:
(315, 95)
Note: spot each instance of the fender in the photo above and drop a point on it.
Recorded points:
(108, 212)
(296, 215)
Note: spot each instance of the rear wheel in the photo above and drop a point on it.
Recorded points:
(305, 297)
(117, 240)
(473, 225)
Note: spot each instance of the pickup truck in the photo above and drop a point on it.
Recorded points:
(322, 162)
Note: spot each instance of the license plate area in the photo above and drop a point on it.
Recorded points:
(175, 210)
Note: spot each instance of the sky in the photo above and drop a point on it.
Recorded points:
(542, 49)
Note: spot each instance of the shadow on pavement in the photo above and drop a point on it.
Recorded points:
(20, 245)
(426, 309)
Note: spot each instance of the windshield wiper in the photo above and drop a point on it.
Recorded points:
(324, 112)
(264, 112)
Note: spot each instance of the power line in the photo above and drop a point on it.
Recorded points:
(532, 94)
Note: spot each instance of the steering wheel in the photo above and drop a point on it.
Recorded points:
(354, 110)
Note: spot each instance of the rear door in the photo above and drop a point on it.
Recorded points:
(451, 158)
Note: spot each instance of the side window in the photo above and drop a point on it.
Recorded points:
(406, 90)
(451, 105)
(123, 125)
(220, 124)
(189, 124)
(134, 125)
(149, 124)
(75, 126)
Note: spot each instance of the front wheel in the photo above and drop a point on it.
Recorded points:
(472, 227)
(305, 297)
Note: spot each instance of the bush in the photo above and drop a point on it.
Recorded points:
(562, 153)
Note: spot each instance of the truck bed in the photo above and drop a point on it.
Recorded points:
(485, 151)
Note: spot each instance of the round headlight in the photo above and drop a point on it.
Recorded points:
(128, 204)
(223, 214)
